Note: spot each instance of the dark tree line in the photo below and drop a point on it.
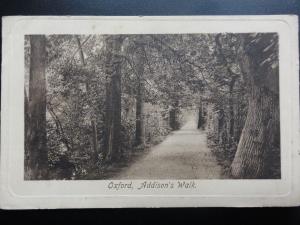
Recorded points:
(92, 101)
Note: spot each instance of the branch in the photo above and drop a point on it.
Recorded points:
(186, 60)
(220, 49)
(147, 60)
(59, 126)
(135, 72)
(78, 49)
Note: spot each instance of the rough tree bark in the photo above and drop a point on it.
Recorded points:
(140, 129)
(36, 162)
(262, 123)
(112, 138)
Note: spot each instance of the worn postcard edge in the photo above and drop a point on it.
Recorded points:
(10, 198)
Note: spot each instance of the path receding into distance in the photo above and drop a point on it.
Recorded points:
(182, 155)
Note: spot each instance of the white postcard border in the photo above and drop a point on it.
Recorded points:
(17, 193)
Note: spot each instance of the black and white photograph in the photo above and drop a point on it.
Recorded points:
(175, 111)
(152, 106)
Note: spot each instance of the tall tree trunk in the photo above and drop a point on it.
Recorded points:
(201, 119)
(140, 129)
(27, 136)
(221, 127)
(92, 120)
(257, 135)
(95, 140)
(37, 164)
(112, 139)
(231, 110)
(173, 120)
(262, 123)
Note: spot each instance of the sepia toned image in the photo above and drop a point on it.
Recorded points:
(175, 111)
(152, 106)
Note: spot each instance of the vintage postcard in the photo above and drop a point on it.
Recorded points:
(173, 111)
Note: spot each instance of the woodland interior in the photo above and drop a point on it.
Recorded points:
(152, 106)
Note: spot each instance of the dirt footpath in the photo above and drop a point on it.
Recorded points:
(182, 155)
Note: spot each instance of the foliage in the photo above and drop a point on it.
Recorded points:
(179, 72)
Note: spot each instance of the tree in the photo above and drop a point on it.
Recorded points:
(108, 94)
(227, 61)
(36, 160)
(259, 57)
(175, 74)
(112, 141)
(87, 86)
(140, 129)
(75, 104)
